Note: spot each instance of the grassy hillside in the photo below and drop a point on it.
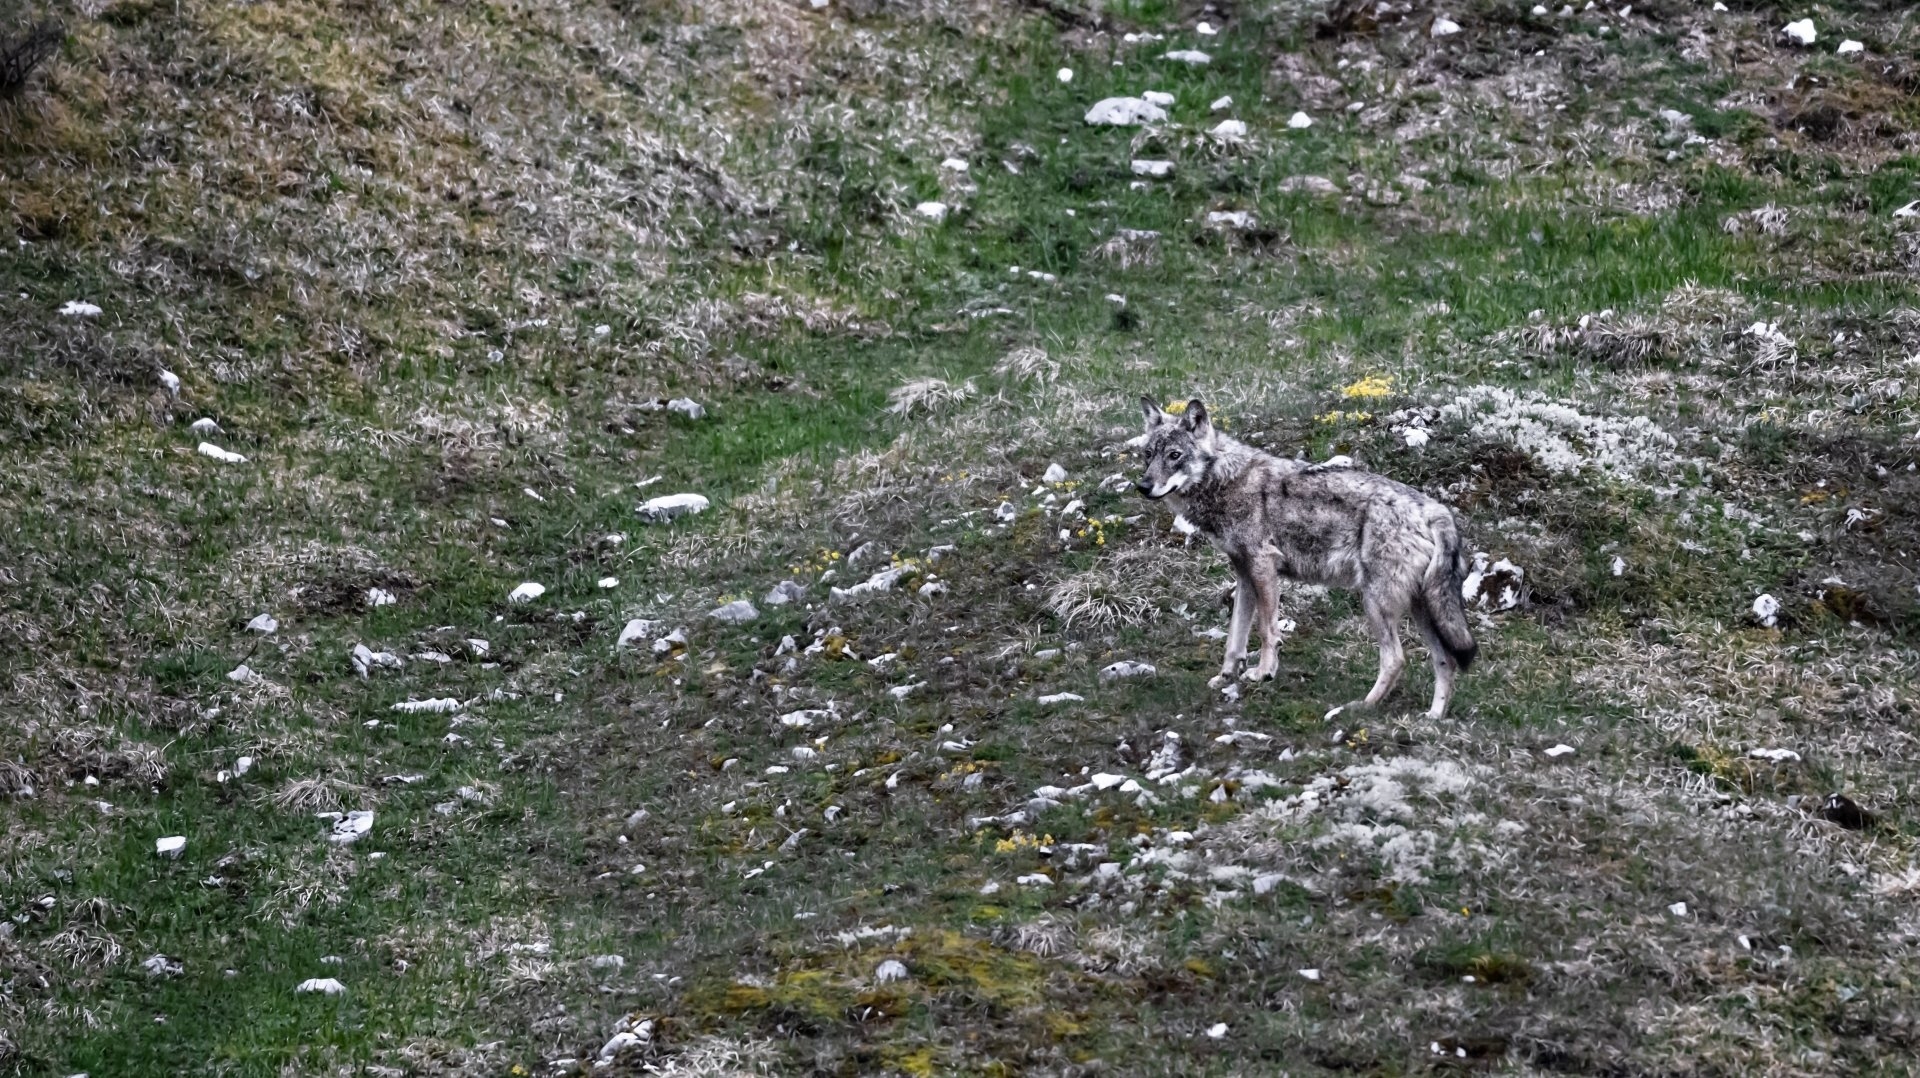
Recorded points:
(1630, 288)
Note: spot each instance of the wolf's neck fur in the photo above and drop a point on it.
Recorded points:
(1227, 458)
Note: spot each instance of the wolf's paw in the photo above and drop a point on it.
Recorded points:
(1217, 680)
(1259, 674)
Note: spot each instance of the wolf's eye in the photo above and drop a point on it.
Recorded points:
(1173, 457)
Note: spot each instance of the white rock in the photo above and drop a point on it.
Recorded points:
(1220, 104)
(1239, 220)
(889, 971)
(1124, 112)
(170, 846)
(1911, 209)
(688, 407)
(1300, 121)
(208, 449)
(1229, 129)
(1054, 474)
(242, 674)
(667, 507)
(1310, 974)
(1005, 512)
(203, 425)
(380, 597)
(787, 591)
(1415, 437)
(932, 588)
(1034, 879)
(637, 629)
(243, 765)
(171, 382)
(1560, 750)
(1444, 27)
(1778, 756)
(1718, 6)
(1156, 169)
(160, 965)
(1065, 75)
(884, 580)
(1158, 97)
(348, 829)
(1851, 47)
(1062, 698)
(263, 624)
(1263, 885)
(954, 164)
(527, 592)
(738, 612)
(1767, 609)
(1800, 31)
(326, 986)
(1126, 668)
(607, 961)
(75, 308)
(1619, 565)
(1188, 56)
(438, 705)
(901, 692)
(608, 582)
(1539, 10)
(1205, 29)
(933, 211)
(1217, 1030)
(1106, 781)
(1678, 909)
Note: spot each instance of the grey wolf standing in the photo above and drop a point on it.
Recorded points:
(1329, 524)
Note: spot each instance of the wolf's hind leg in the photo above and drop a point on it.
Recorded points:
(1445, 669)
(1385, 622)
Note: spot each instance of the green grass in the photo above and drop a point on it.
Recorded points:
(327, 222)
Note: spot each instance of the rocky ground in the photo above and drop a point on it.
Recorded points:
(597, 538)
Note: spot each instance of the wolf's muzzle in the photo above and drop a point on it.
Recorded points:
(1146, 489)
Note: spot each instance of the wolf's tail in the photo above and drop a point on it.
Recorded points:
(1440, 593)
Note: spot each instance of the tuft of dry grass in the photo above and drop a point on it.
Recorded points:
(928, 396)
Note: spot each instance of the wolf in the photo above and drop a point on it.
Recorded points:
(1330, 524)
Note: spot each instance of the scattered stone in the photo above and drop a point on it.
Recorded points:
(674, 639)
(1800, 31)
(263, 624)
(667, 507)
(884, 580)
(203, 425)
(243, 765)
(365, 660)
(1312, 185)
(901, 692)
(171, 382)
(1229, 129)
(348, 829)
(380, 597)
(1205, 29)
(738, 612)
(1062, 698)
(1156, 169)
(1005, 512)
(1065, 75)
(608, 582)
(932, 588)
(1911, 209)
(1415, 437)
(241, 674)
(1300, 121)
(1238, 220)
(1054, 474)
(1217, 1030)
(932, 211)
(1126, 668)
(75, 308)
(1851, 47)
(1124, 112)
(1158, 97)
(607, 961)
(160, 965)
(1444, 27)
(1034, 879)
(637, 629)
(1678, 909)
(1559, 750)
(1309, 974)
(437, 705)
(787, 591)
(527, 592)
(1188, 56)
(1220, 104)
(208, 449)
(1778, 756)
(1264, 885)
(326, 986)
(1767, 609)
(889, 971)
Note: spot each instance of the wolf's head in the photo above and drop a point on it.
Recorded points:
(1178, 448)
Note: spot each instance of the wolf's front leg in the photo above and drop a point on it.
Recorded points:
(1265, 584)
(1239, 628)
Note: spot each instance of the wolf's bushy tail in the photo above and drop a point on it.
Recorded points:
(1440, 594)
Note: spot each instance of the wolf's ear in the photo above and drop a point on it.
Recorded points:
(1151, 408)
(1196, 420)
